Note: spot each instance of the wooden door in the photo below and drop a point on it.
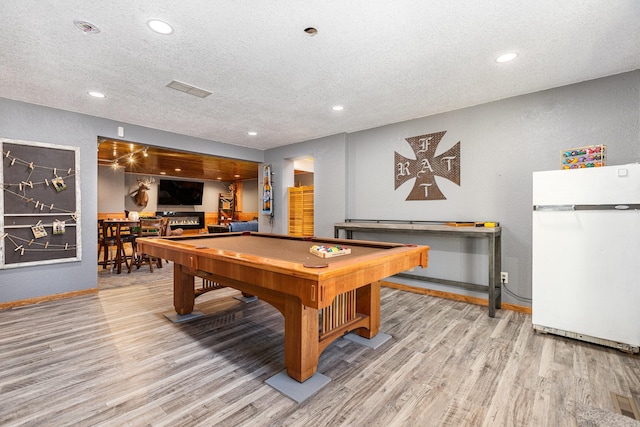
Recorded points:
(301, 211)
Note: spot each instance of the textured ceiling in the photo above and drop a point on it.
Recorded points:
(385, 61)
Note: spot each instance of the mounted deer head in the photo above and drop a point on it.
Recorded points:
(140, 196)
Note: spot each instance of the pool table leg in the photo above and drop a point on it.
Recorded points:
(368, 302)
(183, 290)
(300, 339)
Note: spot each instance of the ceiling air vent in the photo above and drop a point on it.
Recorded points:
(86, 27)
(187, 88)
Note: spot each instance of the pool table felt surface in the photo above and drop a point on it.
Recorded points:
(282, 249)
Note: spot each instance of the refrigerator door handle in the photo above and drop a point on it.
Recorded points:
(556, 208)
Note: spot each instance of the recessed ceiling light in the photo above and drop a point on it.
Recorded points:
(337, 108)
(163, 173)
(96, 94)
(236, 176)
(177, 169)
(311, 31)
(160, 27)
(506, 57)
(252, 133)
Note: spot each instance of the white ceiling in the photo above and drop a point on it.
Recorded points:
(385, 61)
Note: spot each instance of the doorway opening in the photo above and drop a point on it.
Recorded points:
(300, 198)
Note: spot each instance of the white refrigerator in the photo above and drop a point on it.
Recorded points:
(586, 254)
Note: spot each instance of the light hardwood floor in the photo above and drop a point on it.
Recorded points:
(113, 359)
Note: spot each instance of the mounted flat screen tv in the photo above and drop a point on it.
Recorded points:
(176, 192)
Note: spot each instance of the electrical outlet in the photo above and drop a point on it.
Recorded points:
(504, 277)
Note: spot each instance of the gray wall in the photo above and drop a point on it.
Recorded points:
(502, 143)
(329, 190)
(30, 122)
(111, 186)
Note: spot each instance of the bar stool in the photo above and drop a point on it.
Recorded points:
(150, 227)
(108, 239)
(126, 234)
(105, 243)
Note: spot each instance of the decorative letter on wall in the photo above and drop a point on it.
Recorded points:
(39, 204)
(426, 166)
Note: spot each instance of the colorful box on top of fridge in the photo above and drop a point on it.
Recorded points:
(591, 156)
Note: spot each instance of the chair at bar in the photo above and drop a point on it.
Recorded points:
(151, 227)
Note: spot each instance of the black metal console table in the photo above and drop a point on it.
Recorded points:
(492, 234)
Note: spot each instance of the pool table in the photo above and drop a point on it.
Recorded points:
(320, 298)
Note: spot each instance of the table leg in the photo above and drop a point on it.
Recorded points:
(183, 290)
(495, 266)
(117, 259)
(118, 252)
(498, 261)
(368, 302)
(300, 339)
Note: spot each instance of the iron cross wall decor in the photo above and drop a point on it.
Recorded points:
(427, 166)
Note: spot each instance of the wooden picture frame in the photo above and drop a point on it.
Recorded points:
(40, 188)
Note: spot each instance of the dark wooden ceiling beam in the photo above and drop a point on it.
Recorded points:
(191, 165)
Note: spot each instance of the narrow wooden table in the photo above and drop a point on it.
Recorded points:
(320, 298)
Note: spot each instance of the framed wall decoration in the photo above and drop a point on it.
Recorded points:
(39, 204)
(267, 191)
(591, 156)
